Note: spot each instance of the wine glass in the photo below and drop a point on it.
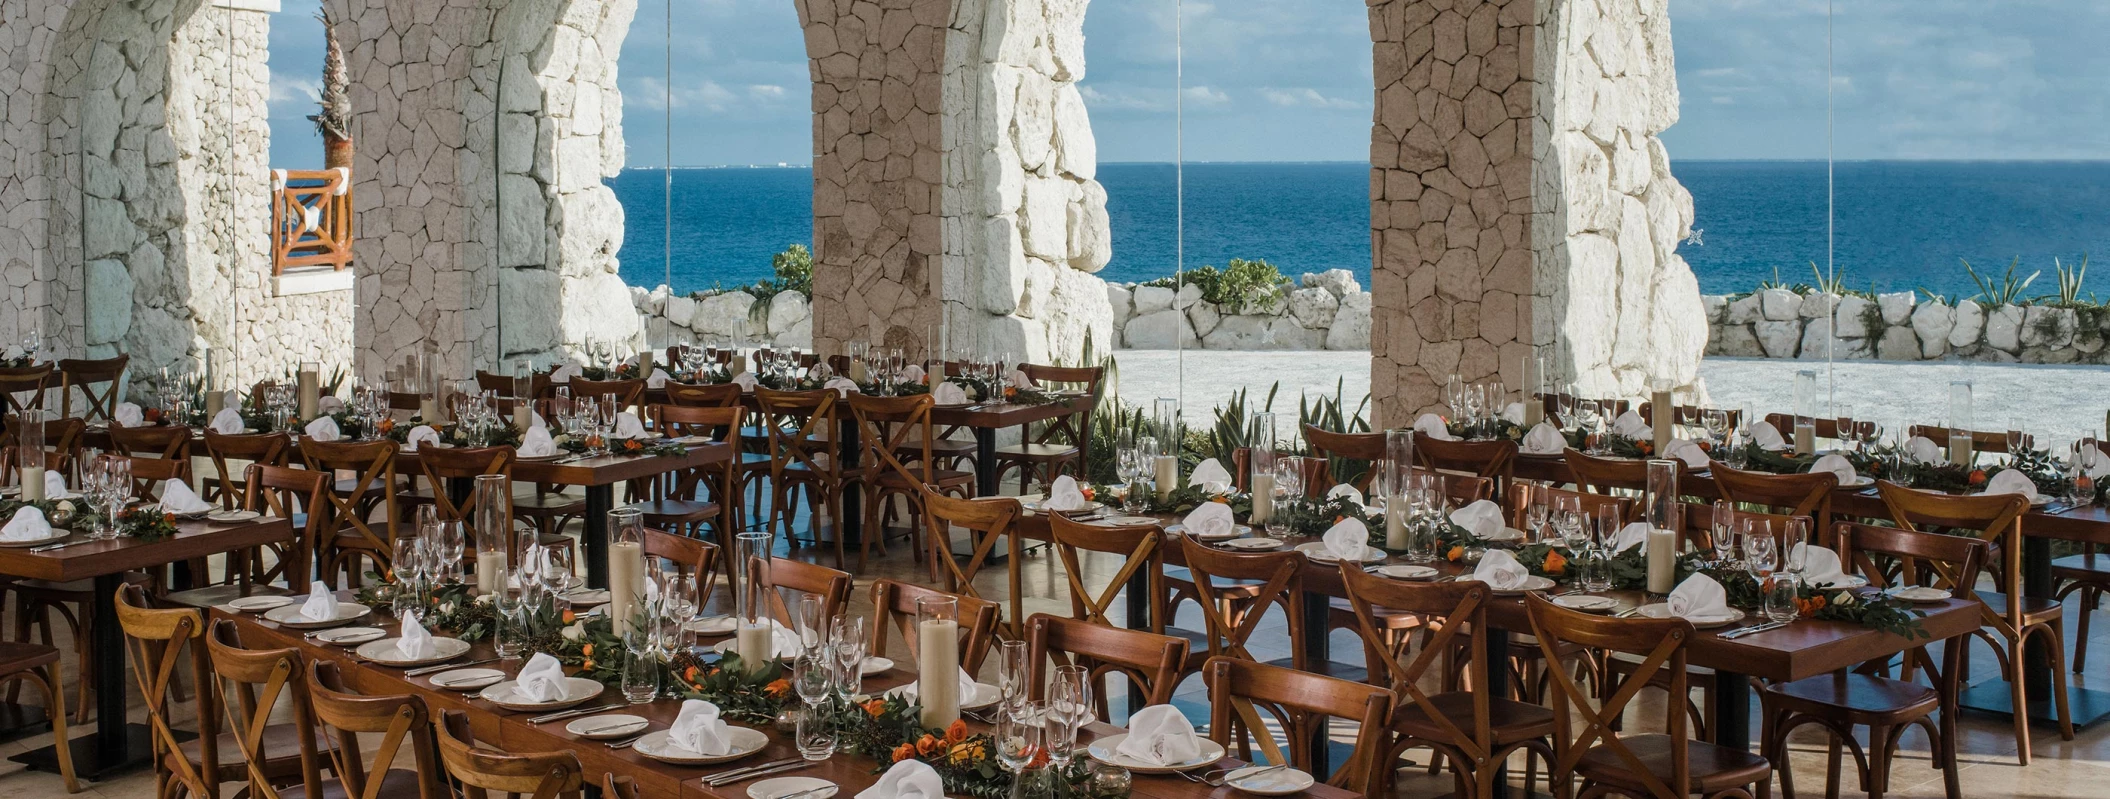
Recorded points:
(1018, 739)
(810, 624)
(1760, 549)
(1069, 708)
(1723, 537)
(117, 490)
(813, 677)
(1011, 673)
(1535, 515)
(847, 637)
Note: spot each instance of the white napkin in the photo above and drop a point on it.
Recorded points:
(415, 642)
(1631, 425)
(1513, 413)
(1767, 437)
(1064, 495)
(1432, 426)
(1347, 539)
(966, 688)
(177, 498)
(1482, 518)
(536, 420)
(28, 525)
(1922, 449)
(1209, 520)
(55, 486)
(906, 779)
(536, 443)
(843, 386)
(321, 604)
(1688, 451)
(1544, 439)
(330, 404)
(323, 428)
(1018, 379)
(746, 381)
(541, 680)
(948, 393)
(911, 374)
(2012, 481)
(1838, 465)
(227, 422)
(1699, 598)
(627, 425)
(128, 414)
(1630, 536)
(698, 729)
(658, 379)
(1820, 566)
(1501, 571)
(1345, 490)
(1160, 735)
(421, 434)
(564, 373)
(1211, 477)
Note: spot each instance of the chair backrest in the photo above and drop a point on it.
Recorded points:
(1689, 415)
(690, 557)
(162, 441)
(1698, 527)
(719, 423)
(894, 605)
(398, 719)
(1941, 561)
(1828, 427)
(1281, 574)
(1523, 495)
(1605, 475)
(802, 431)
(1068, 428)
(987, 521)
(1494, 460)
(1994, 441)
(373, 464)
(147, 474)
(502, 385)
(1302, 704)
(1808, 494)
(22, 387)
(88, 375)
(157, 640)
(1993, 518)
(1151, 661)
(1142, 546)
(62, 443)
(1463, 606)
(257, 681)
(1661, 645)
(268, 449)
(716, 395)
(627, 393)
(482, 770)
(1337, 449)
(888, 428)
(785, 574)
(285, 492)
(441, 465)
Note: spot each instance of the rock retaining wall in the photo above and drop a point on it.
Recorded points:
(1327, 311)
(1778, 323)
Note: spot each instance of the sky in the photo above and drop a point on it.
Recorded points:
(1289, 80)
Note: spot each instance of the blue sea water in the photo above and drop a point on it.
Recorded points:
(1900, 224)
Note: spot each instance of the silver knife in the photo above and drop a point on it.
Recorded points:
(734, 774)
(50, 547)
(764, 773)
(565, 714)
(1754, 629)
(424, 670)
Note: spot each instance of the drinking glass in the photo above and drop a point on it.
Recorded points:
(511, 636)
(1781, 590)
(816, 736)
(1793, 536)
(1760, 550)
(1018, 739)
(2017, 441)
(117, 489)
(1600, 578)
(1535, 516)
(1011, 673)
(813, 677)
(847, 637)
(640, 667)
(1069, 708)
(1145, 484)
(809, 620)
(1723, 535)
(404, 567)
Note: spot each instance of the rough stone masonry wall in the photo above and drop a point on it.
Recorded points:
(1778, 323)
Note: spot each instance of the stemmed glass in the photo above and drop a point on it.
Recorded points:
(1535, 517)
(1723, 534)
(1760, 549)
(1145, 483)
(811, 626)
(1018, 740)
(1289, 485)
(95, 488)
(1068, 709)
(1599, 578)
(117, 489)
(847, 639)
(1129, 467)
(406, 570)
(1011, 674)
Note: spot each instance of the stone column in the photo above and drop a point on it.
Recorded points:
(1519, 198)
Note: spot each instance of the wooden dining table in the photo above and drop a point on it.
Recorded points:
(513, 731)
(117, 745)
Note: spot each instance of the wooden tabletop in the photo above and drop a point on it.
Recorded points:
(193, 539)
(510, 731)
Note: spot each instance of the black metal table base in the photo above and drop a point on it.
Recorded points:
(1992, 697)
(89, 761)
(22, 721)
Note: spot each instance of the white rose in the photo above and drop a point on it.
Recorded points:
(1843, 598)
(573, 632)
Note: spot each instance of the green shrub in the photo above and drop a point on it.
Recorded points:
(1242, 285)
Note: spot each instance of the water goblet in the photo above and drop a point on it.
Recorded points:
(1011, 672)
(1722, 535)
(1018, 740)
(816, 737)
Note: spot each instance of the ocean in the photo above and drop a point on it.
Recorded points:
(1901, 225)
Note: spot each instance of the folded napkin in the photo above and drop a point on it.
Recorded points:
(1501, 571)
(1820, 566)
(1767, 437)
(627, 425)
(1064, 495)
(536, 420)
(2012, 481)
(910, 374)
(1631, 425)
(1699, 598)
(1209, 520)
(541, 680)
(128, 414)
(843, 386)
(1018, 379)
(1922, 449)
(1347, 539)
(55, 486)
(27, 525)
(1432, 426)
(536, 443)
(323, 428)
(658, 379)
(966, 689)
(1513, 413)
(330, 404)
(1687, 451)
(948, 393)
(1345, 490)
(906, 779)
(1544, 439)
(1838, 465)
(227, 422)
(1211, 477)
(1482, 518)
(415, 641)
(177, 498)
(1160, 735)
(746, 381)
(565, 373)
(321, 604)
(699, 729)
(1630, 536)
(421, 435)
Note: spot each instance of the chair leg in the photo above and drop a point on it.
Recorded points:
(2019, 695)
(48, 679)
(2057, 647)
(2089, 595)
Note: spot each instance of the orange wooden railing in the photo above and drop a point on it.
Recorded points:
(311, 219)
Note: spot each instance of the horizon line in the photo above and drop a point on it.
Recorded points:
(1674, 162)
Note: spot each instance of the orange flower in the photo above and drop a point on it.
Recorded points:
(875, 707)
(1977, 477)
(961, 754)
(1455, 553)
(1555, 564)
(386, 425)
(587, 664)
(1040, 758)
(929, 745)
(1090, 493)
(569, 616)
(633, 445)
(593, 441)
(1647, 447)
(904, 752)
(2085, 483)
(689, 675)
(1220, 498)
(168, 517)
(779, 688)
(151, 416)
(1706, 446)
(586, 651)
(956, 731)
(1010, 391)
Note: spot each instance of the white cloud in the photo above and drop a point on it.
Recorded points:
(651, 93)
(1309, 98)
(1204, 96)
(295, 91)
(766, 91)
(1115, 97)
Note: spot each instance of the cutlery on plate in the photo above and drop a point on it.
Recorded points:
(50, 547)
(611, 727)
(730, 775)
(424, 670)
(1218, 780)
(571, 714)
(807, 792)
(1628, 613)
(1753, 629)
(765, 773)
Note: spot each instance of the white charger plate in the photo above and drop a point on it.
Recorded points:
(1661, 610)
(576, 691)
(1848, 581)
(587, 597)
(985, 695)
(660, 746)
(1404, 571)
(289, 616)
(1586, 603)
(1318, 553)
(711, 625)
(1531, 583)
(349, 636)
(1276, 782)
(1920, 594)
(1104, 751)
(56, 534)
(776, 787)
(467, 679)
(874, 664)
(233, 516)
(1237, 531)
(1254, 544)
(610, 726)
(384, 652)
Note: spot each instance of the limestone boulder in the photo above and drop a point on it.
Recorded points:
(1188, 295)
(1817, 304)
(724, 314)
(1240, 332)
(597, 308)
(1158, 330)
(1817, 337)
(1898, 344)
(2003, 328)
(1897, 306)
(1090, 231)
(2047, 327)
(800, 334)
(1151, 299)
(1969, 323)
(786, 310)
(1850, 319)
(1121, 299)
(1736, 341)
(1715, 305)
(1351, 325)
(1781, 305)
(1314, 307)
(1338, 281)
(524, 297)
(1203, 315)
(1778, 338)
(679, 310)
(1745, 310)
(1286, 334)
(1931, 324)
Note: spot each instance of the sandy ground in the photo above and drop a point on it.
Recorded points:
(2056, 403)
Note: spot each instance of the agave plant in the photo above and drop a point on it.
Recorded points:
(2005, 290)
(1233, 430)
(1329, 414)
(2070, 279)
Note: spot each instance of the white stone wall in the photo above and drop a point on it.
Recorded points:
(1327, 311)
(1778, 323)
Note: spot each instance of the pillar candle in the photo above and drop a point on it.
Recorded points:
(523, 416)
(1661, 413)
(1167, 475)
(938, 672)
(1534, 411)
(1805, 439)
(215, 402)
(1396, 524)
(429, 409)
(1960, 447)
(490, 571)
(1263, 498)
(755, 644)
(1662, 560)
(32, 484)
(626, 565)
(310, 388)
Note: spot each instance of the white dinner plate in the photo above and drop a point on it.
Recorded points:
(1531, 583)
(289, 616)
(659, 745)
(1103, 750)
(874, 664)
(985, 695)
(1120, 521)
(776, 787)
(602, 728)
(587, 597)
(233, 516)
(1318, 553)
(1919, 593)
(726, 647)
(1661, 610)
(56, 534)
(1037, 505)
(576, 691)
(1402, 571)
(349, 636)
(1237, 531)
(711, 625)
(1586, 603)
(441, 650)
(1847, 581)
(1254, 544)
(467, 679)
(1264, 781)
(1859, 481)
(1506, 534)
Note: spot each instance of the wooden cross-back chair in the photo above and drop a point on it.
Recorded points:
(1828, 427)
(86, 375)
(2007, 614)
(22, 388)
(689, 557)
(148, 474)
(1808, 494)
(1607, 475)
(1337, 450)
(352, 536)
(894, 605)
(1141, 546)
(160, 643)
(803, 428)
(1301, 704)
(1867, 696)
(1231, 620)
(1474, 729)
(688, 500)
(710, 395)
(785, 574)
(260, 682)
(504, 386)
(38, 665)
(405, 725)
(164, 441)
(229, 450)
(1987, 441)
(1494, 460)
(1152, 662)
(482, 770)
(628, 393)
(987, 521)
(1660, 766)
(63, 440)
(1058, 446)
(1690, 415)
(296, 495)
(895, 434)
(441, 465)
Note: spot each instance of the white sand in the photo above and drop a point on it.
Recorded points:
(2056, 403)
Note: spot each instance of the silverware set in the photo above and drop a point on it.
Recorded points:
(50, 547)
(746, 772)
(572, 714)
(424, 670)
(1753, 629)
